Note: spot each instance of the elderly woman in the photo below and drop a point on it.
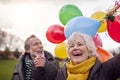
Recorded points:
(83, 63)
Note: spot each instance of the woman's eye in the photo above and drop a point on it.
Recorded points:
(71, 46)
(80, 44)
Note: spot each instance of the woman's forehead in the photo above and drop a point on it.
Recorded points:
(76, 39)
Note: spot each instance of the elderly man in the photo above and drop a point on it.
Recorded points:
(36, 63)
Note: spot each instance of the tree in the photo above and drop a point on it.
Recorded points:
(3, 35)
(9, 42)
(13, 42)
(16, 54)
(6, 53)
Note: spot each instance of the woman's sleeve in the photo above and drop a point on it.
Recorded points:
(111, 68)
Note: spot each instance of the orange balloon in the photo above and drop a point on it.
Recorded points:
(103, 54)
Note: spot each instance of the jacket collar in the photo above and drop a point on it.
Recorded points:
(94, 71)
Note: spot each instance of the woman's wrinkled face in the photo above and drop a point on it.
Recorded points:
(78, 50)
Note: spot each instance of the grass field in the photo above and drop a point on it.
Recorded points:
(6, 69)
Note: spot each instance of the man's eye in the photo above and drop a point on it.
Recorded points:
(35, 44)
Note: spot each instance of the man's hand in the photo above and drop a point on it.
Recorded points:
(39, 61)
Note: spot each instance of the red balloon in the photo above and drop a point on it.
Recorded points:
(55, 33)
(113, 29)
(97, 40)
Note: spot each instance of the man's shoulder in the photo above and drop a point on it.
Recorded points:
(48, 55)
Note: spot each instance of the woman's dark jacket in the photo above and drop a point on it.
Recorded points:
(109, 70)
(47, 73)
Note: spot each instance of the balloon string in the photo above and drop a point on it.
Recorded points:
(111, 12)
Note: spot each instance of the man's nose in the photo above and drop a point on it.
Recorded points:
(40, 45)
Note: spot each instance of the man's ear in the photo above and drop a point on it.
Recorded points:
(27, 47)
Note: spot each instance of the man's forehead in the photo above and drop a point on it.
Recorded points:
(35, 40)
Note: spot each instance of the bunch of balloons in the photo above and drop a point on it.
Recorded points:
(73, 20)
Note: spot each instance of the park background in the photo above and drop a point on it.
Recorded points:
(22, 18)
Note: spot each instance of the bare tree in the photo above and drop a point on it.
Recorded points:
(3, 35)
(13, 42)
(10, 41)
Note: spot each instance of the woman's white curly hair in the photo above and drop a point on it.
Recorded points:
(88, 41)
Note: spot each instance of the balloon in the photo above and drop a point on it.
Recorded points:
(67, 12)
(97, 40)
(103, 55)
(83, 25)
(60, 50)
(99, 15)
(55, 33)
(113, 29)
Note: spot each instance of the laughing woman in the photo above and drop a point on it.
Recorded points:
(83, 63)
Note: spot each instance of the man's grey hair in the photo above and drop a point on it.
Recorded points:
(28, 42)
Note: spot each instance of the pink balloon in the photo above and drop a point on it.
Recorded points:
(55, 33)
(97, 40)
(113, 29)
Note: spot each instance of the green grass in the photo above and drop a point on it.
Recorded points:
(118, 79)
(6, 69)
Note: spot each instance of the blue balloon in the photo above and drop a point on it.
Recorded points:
(83, 25)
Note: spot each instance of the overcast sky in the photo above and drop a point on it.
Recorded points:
(25, 17)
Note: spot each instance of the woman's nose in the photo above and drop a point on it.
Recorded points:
(75, 47)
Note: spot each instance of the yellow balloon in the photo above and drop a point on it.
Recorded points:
(60, 50)
(99, 15)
